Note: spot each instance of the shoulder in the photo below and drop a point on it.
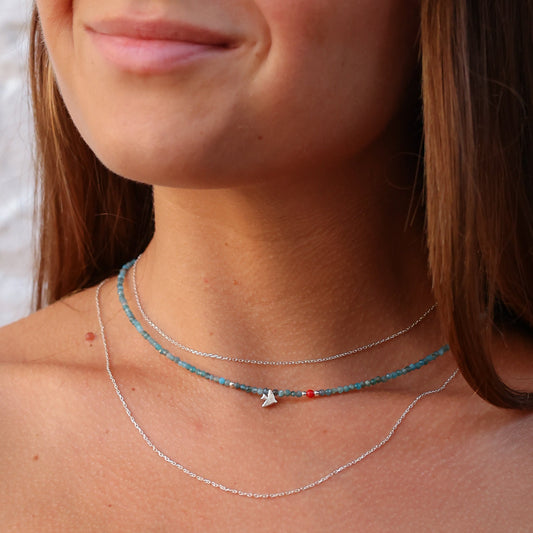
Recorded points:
(46, 334)
(499, 440)
(38, 352)
(51, 381)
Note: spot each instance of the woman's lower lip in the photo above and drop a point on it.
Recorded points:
(150, 56)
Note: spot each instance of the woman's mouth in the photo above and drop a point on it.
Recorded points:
(155, 46)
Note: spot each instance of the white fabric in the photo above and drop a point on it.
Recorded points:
(16, 206)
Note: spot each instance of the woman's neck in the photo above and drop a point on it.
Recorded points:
(289, 270)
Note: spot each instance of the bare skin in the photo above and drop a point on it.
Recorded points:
(285, 229)
(72, 461)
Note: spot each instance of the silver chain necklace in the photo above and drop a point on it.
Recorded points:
(186, 348)
(237, 492)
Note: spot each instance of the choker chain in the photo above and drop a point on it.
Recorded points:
(220, 357)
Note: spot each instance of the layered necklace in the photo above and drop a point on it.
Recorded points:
(232, 490)
(269, 395)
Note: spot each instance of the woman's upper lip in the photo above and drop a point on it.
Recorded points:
(161, 30)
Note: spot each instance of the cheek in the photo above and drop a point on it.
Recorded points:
(365, 46)
(329, 78)
(56, 21)
(340, 69)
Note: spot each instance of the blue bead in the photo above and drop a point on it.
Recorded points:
(222, 381)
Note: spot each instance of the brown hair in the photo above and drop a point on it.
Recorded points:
(477, 101)
(90, 220)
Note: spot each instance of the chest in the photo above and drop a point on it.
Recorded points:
(84, 467)
(395, 489)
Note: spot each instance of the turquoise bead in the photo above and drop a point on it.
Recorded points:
(258, 390)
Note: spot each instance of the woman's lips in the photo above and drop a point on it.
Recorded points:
(155, 47)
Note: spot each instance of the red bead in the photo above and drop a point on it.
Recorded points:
(89, 337)
(310, 393)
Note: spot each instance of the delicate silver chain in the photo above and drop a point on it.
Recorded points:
(235, 491)
(186, 348)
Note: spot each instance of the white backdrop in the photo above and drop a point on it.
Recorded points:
(15, 164)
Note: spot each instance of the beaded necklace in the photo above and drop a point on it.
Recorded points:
(269, 395)
(247, 493)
